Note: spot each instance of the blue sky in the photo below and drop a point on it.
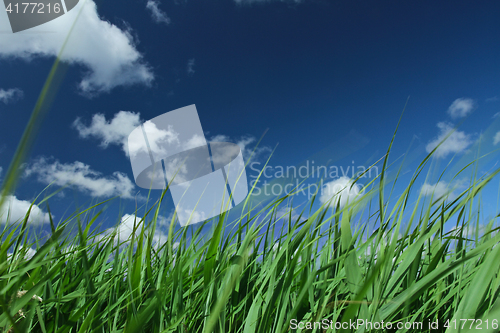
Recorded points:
(311, 73)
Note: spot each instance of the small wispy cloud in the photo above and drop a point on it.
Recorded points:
(492, 99)
(456, 142)
(10, 95)
(496, 138)
(157, 14)
(461, 107)
(190, 67)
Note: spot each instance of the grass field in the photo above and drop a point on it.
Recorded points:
(325, 267)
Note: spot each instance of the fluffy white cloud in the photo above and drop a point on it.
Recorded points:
(115, 131)
(457, 142)
(496, 138)
(342, 189)
(190, 67)
(82, 177)
(461, 107)
(108, 53)
(10, 95)
(14, 210)
(157, 14)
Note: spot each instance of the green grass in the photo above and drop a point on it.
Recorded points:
(260, 277)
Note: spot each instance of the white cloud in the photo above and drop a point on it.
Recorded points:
(492, 99)
(157, 14)
(125, 229)
(441, 189)
(82, 177)
(457, 142)
(342, 189)
(157, 138)
(436, 190)
(461, 107)
(496, 138)
(195, 141)
(14, 210)
(115, 131)
(108, 53)
(10, 95)
(190, 67)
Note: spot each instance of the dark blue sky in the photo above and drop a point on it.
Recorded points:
(310, 72)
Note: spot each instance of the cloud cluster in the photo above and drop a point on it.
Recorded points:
(82, 177)
(342, 189)
(157, 14)
(116, 131)
(457, 141)
(10, 95)
(14, 210)
(107, 52)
